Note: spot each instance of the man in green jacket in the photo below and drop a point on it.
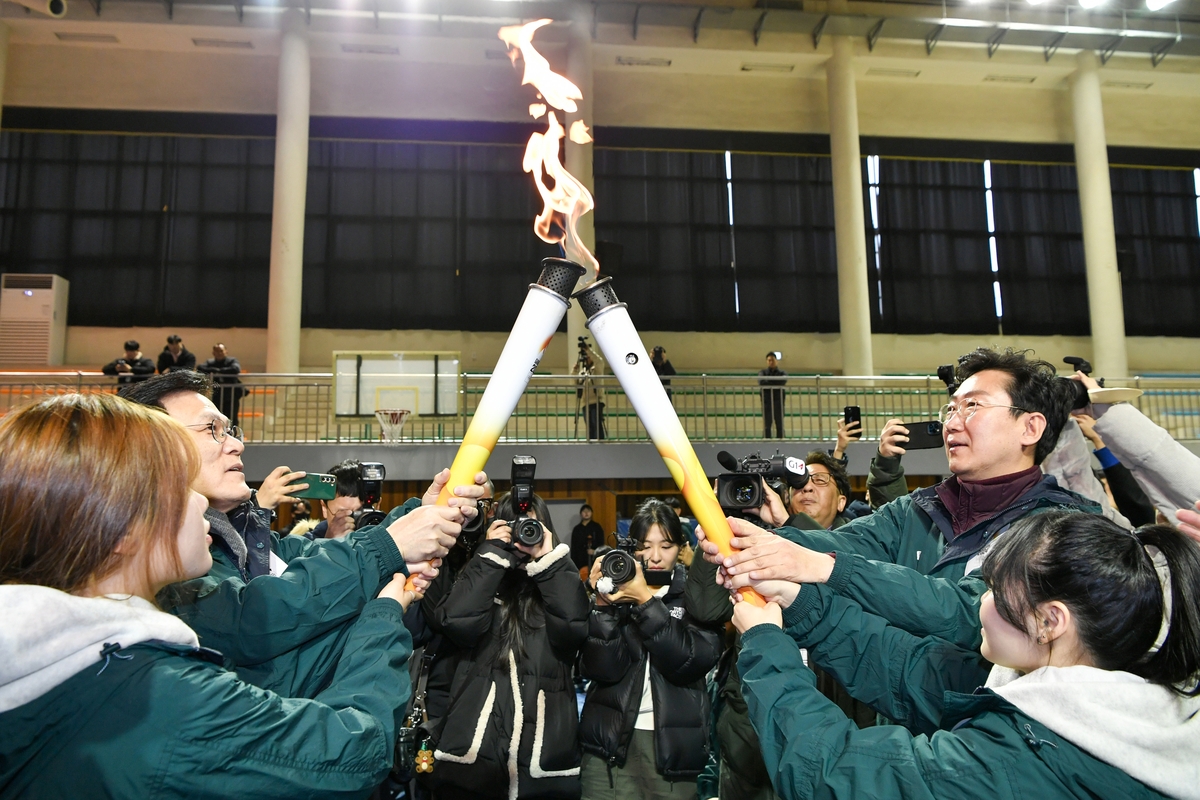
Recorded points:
(281, 611)
(906, 561)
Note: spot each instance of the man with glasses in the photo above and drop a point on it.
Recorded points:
(280, 610)
(906, 561)
(826, 494)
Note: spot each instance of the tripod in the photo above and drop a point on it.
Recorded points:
(587, 396)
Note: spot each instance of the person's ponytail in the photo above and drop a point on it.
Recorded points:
(1176, 663)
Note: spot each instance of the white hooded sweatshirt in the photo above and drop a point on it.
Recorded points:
(1141, 728)
(46, 636)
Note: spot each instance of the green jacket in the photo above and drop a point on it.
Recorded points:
(164, 721)
(286, 633)
(904, 563)
(994, 751)
(885, 480)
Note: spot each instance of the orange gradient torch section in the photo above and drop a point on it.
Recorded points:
(565, 199)
(542, 311)
(608, 320)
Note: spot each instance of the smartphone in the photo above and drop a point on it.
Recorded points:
(320, 486)
(923, 435)
(853, 414)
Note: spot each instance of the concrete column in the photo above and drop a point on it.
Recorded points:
(578, 157)
(4, 30)
(854, 304)
(291, 182)
(1105, 304)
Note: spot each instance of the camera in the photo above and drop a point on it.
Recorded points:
(946, 374)
(526, 531)
(1081, 391)
(619, 565)
(370, 490)
(741, 487)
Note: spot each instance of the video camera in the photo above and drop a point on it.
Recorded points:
(619, 565)
(526, 531)
(1081, 391)
(370, 490)
(946, 374)
(741, 487)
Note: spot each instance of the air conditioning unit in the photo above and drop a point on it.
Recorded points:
(33, 320)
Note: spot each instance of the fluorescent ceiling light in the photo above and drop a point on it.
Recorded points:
(883, 72)
(633, 61)
(1090, 3)
(1009, 79)
(1155, 5)
(372, 49)
(768, 67)
(92, 38)
(231, 44)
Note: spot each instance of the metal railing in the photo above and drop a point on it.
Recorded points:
(555, 408)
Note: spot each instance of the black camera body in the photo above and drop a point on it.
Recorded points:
(945, 374)
(619, 565)
(1081, 391)
(526, 531)
(370, 490)
(741, 487)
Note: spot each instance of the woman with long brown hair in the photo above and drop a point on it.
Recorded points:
(104, 695)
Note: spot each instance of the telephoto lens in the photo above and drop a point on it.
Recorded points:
(527, 531)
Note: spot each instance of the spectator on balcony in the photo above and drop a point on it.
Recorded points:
(771, 380)
(280, 610)
(663, 367)
(227, 387)
(175, 355)
(133, 367)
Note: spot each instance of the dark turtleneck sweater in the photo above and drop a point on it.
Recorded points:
(971, 502)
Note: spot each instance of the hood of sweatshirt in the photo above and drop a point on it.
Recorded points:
(1143, 729)
(47, 636)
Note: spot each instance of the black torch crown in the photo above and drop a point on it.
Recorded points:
(598, 296)
(560, 276)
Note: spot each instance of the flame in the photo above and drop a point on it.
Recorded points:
(569, 199)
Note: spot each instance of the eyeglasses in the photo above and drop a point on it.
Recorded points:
(968, 408)
(820, 478)
(218, 430)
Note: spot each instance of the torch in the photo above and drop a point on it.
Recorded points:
(609, 322)
(543, 310)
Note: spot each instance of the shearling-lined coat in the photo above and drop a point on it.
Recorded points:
(511, 727)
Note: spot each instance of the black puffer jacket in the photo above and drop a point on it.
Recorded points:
(681, 653)
(479, 748)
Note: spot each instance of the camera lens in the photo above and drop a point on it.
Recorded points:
(528, 532)
(743, 493)
(618, 566)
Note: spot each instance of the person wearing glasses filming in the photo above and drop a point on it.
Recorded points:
(906, 562)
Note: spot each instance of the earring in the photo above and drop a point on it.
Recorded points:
(1041, 639)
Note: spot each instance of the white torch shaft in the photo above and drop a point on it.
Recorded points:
(540, 316)
(623, 348)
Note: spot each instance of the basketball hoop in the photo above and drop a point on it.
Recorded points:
(391, 423)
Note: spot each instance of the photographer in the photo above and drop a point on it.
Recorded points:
(645, 724)
(133, 367)
(338, 513)
(517, 615)
(284, 629)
